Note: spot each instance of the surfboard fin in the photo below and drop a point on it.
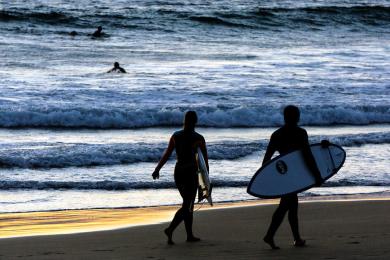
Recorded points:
(200, 194)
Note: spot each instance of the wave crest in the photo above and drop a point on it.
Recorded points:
(43, 17)
(58, 155)
(251, 17)
(242, 116)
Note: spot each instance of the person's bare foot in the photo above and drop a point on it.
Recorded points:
(300, 243)
(168, 233)
(193, 239)
(270, 242)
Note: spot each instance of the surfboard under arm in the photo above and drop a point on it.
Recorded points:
(290, 173)
(205, 187)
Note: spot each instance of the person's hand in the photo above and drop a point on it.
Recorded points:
(319, 181)
(156, 174)
(325, 143)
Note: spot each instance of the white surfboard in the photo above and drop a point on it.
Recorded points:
(204, 189)
(289, 173)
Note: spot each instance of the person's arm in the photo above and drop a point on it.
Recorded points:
(122, 70)
(310, 161)
(164, 158)
(203, 149)
(269, 152)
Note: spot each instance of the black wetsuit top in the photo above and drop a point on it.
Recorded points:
(289, 138)
(186, 145)
(118, 69)
(97, 33)
(186, 167)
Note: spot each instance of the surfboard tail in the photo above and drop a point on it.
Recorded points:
(204, 191)
(209, 198)
(203, 194)
(200, 195)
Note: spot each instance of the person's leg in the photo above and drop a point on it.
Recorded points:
(293, 219)
(293, 216)
(179, 216)
(189, 211)
(277, 219)
(177, 219)
(187, 183)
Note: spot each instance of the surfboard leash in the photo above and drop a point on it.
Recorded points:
(201, 205)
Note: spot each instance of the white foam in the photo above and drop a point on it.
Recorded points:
(245, 116)
(60, 155)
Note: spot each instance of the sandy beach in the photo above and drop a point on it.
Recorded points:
(333, 230)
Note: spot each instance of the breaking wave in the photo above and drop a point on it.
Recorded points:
(60, 155)
(242, 116)
(261, 17)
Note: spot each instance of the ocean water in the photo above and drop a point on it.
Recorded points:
(73, 136)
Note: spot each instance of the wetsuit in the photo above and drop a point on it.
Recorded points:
(186, 178)
(117, 69)
(97, 33)
(285, 140)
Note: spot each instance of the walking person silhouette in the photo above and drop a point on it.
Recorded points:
(288, 138)
(185, 142)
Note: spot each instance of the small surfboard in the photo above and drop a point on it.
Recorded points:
(290, 174)
(204, 189)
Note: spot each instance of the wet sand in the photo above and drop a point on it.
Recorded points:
(333, 230)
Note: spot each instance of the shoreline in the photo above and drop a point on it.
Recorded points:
(313, 198)
(62, 222)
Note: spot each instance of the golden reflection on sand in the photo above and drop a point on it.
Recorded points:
(88, 220)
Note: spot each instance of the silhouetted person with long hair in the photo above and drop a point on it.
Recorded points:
(117, 68)
(185, 142)
(288, 138)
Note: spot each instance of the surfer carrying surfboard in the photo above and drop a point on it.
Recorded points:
(185, 142)
(288, 138)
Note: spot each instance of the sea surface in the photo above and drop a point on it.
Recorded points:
(73, 136)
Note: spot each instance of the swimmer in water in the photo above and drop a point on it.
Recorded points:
(117, 68)
(98, 32)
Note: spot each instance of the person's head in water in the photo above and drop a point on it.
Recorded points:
(291, 115)
(100, 28)
(190, 120)
(116, 65)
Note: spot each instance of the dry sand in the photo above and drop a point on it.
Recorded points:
(333, 230)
